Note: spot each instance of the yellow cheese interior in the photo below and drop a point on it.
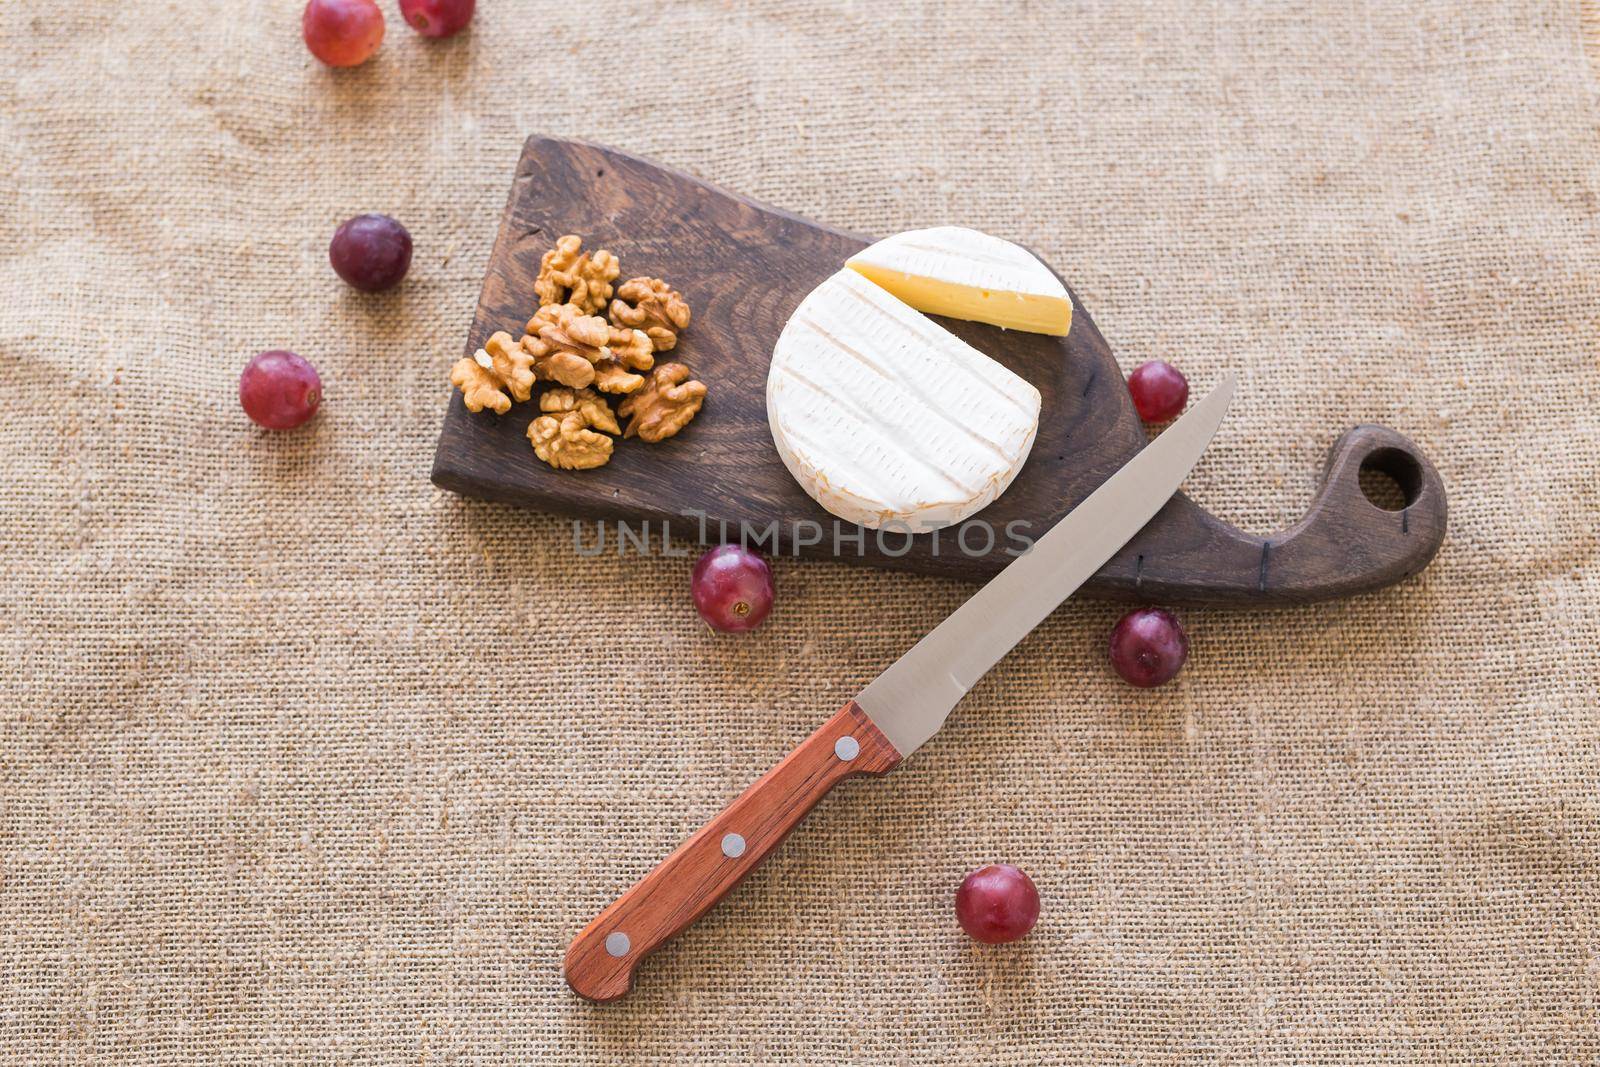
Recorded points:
(1012, 311)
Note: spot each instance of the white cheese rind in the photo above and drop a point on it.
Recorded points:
(884, 417)
(965, 256)
(952, 270)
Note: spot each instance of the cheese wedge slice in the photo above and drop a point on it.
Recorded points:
(887, 419)
(954, 271)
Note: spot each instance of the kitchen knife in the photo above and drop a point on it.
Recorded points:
(894, 715)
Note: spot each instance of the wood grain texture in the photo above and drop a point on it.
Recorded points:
(744, 268)
(691, 881)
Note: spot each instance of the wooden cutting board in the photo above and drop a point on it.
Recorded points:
(743, 267)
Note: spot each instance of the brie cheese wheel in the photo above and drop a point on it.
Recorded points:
(954, 271)
(888, 419)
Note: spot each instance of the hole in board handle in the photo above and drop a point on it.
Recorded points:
(1391, 479)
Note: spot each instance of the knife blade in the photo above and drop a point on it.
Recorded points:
(894, 715)
(912, 699)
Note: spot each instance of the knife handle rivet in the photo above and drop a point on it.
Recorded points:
(617, 943)
(732, 846)
(847, 748)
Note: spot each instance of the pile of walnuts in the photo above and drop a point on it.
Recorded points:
(588, 338)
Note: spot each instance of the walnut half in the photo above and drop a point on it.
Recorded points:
(500, 367)
(569, 275)
(566, 344)
(651, 305)
(665, 405)
(564, 437)
(628, 351)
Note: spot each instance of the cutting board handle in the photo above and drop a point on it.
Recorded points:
(601, 961)
(1347, 542)
(1350, 541)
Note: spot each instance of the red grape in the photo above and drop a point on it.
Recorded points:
(279, 390)
(1159, 390)
(997, 903)
(732, 588)
(1148, 647)
(371, 252)
(342, 33)
(437, 18)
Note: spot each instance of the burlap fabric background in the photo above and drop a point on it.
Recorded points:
(304, 761)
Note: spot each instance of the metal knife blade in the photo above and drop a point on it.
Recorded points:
(910, 701)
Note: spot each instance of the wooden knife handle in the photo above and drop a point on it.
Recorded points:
(687, 884)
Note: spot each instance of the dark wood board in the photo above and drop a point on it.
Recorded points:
(744, 267)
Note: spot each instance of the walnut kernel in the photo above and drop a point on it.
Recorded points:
(665, 405)
(632, 348)
(568, 275)
(596, 413)
(565, 437)
(566, 344)
(656, 308)
(500, 367)
(627, 351)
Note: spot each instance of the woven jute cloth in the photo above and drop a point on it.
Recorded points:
(305, 761)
